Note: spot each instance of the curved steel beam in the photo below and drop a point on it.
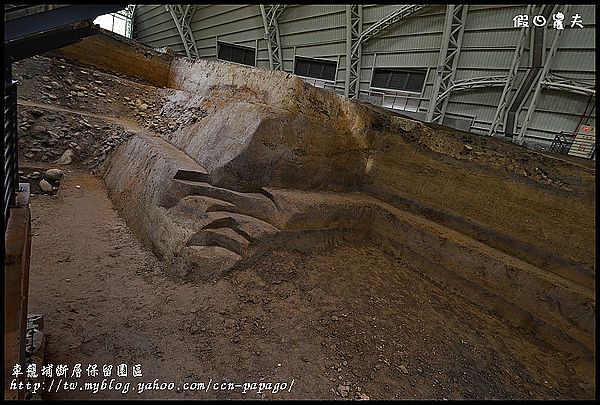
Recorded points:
(270, 15)
(355, 38)
(570, 85)
(182, 16)
(512, 74)
(451, 44)
(389, 20)
(542, 78)
(476, 82)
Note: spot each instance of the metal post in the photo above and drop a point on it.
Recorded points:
(182, 17)
(439, 70)
(348, 49)
(266, 25)
(456, 41)
(270, 14)
(541, 78)
(355, 38)
(353, 50)
(510, 78)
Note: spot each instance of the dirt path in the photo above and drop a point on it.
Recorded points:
(130, 124)
(347, 322)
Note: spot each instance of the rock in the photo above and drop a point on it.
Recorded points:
(52, 97)
(45, 186)
(335, 318)
(45, 78)
(363, 397)
(80, 94)
(403, 369)
(143, 107)
(78, 186)
(468, 147)
(53, 174)
(55, 85)
(343, 390)
(35, 175)
(66, 158)
(38, 129)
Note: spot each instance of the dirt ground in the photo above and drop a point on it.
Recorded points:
(343, 322)
(346, 322)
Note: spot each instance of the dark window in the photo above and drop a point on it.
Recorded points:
(398, 80)
(318, 69)
(237, 54)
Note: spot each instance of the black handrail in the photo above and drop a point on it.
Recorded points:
(562, 143)
(11, 170)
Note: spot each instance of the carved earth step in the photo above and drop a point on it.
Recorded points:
(223, 237)
(253, 229)
(200, 263)
(253, 204)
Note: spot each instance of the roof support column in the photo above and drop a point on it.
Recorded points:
(454, 28)
(182, 16)
(540, 82)
(270, 14)
(510, 79)
(353, 50)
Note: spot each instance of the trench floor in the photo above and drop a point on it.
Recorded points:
(348, 322)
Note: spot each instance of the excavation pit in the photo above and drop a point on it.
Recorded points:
(303, 225)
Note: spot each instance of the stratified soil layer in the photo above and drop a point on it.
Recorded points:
(349, 311)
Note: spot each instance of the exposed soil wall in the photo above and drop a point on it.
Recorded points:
(118, 54)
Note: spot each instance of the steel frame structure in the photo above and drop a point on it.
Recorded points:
(355, 38)
(270, 15)
(537, 55)
(473, 83)
(541, 79)
(182, 16)
(454, 28)
(557, 82)
(128, 14)
(353, 49)
(503, 102)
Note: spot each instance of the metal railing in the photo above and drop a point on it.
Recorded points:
(11, 170)
(562, 143)
(390, 99)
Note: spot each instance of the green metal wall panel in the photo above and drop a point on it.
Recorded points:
(319, 31)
